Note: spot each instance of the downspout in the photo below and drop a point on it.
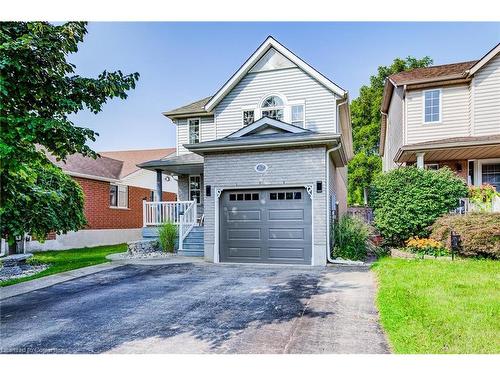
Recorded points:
(327, 166)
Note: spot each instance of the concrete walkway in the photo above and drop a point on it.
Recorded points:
(198, 308)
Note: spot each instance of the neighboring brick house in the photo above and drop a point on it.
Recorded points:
(114, 189)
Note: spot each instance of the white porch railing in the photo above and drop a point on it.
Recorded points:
(466, 206)
(156, 213)
(187, 222)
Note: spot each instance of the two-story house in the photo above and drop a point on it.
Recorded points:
(447, 115)
(264, 159)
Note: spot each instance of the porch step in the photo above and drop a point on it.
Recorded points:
(193, 244)
(150, 232)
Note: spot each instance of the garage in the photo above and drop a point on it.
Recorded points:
(266, 226)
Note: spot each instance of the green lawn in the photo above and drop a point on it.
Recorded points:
(65, 260)
(434, 306)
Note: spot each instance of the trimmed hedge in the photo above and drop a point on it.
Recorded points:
(479, 232)
(407, 200)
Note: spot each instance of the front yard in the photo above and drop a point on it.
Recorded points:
(66, 260)
(433, 306)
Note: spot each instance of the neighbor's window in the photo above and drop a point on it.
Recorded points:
(272, 107)
(118, 195)
(248, 117)
(194, 130)
(195, 188)
(433, 166)
(298, 115)
(432, 106)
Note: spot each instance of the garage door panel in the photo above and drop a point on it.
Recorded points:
(275, 228)
(277, 253)
(285, 214)
(236, 215)
(245, 252)
(286, 233)
(244, 234)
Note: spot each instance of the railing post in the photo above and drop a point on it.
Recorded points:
(195, 212)
(181, 217)
(143, 213)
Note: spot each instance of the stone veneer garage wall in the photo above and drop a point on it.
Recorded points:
(290, 167)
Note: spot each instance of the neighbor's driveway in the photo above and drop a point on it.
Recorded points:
(198, 308)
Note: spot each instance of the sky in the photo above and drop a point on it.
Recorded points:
(182, 62)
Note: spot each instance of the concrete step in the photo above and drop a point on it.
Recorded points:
(194, 241)
(150, 232)
(192, 246)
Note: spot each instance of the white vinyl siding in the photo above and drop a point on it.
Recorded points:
(454, 120)
(207, 132)
(487, 99)
(394, 130)
(292, 83)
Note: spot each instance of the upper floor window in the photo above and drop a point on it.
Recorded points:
(194, 130)
(248, 117)
(273, 107)
(118, 196)
(432, 106)
(298, 115)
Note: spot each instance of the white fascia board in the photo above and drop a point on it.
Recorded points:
(270, 42)
(490, 55)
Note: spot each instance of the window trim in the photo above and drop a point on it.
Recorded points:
(126, 207)
(282, 107)
(479, 171)
(296, 104)
(189, 187)
(440, 106)
(189, 130)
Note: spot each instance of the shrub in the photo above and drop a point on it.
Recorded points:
(426, 246)
(479, 233)
(167, 234)
(350, 236)
(407, 200)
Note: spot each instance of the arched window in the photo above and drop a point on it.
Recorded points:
(273, 107)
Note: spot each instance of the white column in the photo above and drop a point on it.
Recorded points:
(420, 160)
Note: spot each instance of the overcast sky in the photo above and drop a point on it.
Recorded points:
(183, 62)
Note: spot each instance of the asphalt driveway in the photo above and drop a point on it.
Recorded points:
(198, 308)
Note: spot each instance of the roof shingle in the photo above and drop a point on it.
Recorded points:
(195, 107)
(430, 73)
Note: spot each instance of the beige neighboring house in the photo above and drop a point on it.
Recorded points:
(446, 115)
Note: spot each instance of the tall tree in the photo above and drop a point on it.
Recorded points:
(365, 113)
(38, 92)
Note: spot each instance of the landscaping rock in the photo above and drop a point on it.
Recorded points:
(15, 260)
(143, 247)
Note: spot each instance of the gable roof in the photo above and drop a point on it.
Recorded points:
(269, 43)
(432, 73)
(266, 122)
(131, 158)
(83, 166)
(197, 107)
(111, 165)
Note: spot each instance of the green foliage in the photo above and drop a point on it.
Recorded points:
(365, 115)
(439, 307)
(167, 234)
(479, 233)
(67, 260)
(407, 200)
(38, 93)
(350, 238)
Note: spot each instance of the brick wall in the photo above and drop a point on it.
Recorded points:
(101, 216)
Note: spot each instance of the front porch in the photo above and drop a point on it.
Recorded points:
(187, 212)
(475, 159)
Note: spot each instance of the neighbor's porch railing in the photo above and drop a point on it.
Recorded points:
(156, 213)
(465, 206)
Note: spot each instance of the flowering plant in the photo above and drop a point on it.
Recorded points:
(482, 196)
(426, 246)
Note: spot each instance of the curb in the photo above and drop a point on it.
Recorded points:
(46, 281)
